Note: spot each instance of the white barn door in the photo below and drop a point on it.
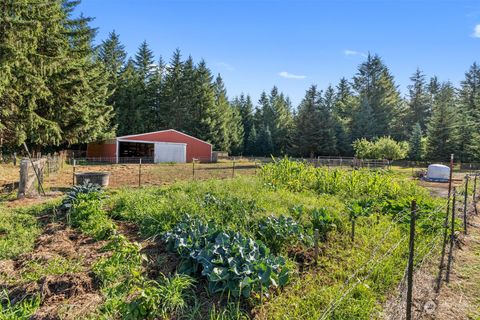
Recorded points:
(170, 152)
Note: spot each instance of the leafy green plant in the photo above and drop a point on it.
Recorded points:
(87, 214)
(232, 263)
(323, 221)
(279, 232)
(72, 195)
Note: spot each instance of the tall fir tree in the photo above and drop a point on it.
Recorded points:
(308, 121)
(375, 86)
(416, 143)
(53, 89)
(419, 107)
(444, 125)
(245, 109)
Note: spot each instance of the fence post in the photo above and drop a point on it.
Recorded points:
(465, 204)
(233, 169)
(474, 196)
(140, 172)
(316, 236)
(73, 176)
(411, 252)
(193, 168)
(444, 244)
(452, 238)
(15, 159)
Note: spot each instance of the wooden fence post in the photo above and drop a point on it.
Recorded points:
(411, 252)
(193, 168)
(452, 237)
(140, 172)
(233, 169)
(465, 204)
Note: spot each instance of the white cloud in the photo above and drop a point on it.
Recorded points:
(225, 66)
(476, 31)
(288, 75)
(354, 53)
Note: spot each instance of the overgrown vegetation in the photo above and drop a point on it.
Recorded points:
(244, 247)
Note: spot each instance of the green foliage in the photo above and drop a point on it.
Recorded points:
(54, 89)
(22, 310)
(233, 264)
(18, 232)
(132, 296)
(33, 270)
(72, 195)
(278, 233)
(382, 148)
(87, 214)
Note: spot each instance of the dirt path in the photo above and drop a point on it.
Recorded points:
(460, 299)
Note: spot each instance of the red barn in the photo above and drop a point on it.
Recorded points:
(159, 146)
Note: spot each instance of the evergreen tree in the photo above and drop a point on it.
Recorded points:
(375, 86)
(53, 89)
(251, 144)
(363, 122)
(308, 121)
(112, 54)
(416, 144)
(265, 142)
(469, 105)
(245, 109)
(129, 101)
(224, 114)
(444, 125)
(327, 142)
(419, 103)
(172, 104)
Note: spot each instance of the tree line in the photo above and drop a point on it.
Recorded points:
(57, 88)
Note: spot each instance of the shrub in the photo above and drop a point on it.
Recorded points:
(279, 232)
(87, 214)
(382, 148)
(232, 263)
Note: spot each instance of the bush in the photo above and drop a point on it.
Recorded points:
(279, 232)
(382, 148)
(86, 213)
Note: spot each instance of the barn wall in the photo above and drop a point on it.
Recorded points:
(195, 148)
(101, 150)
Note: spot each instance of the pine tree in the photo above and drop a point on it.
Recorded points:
(444, 125)
(251, 144)
(224, 116)
(265, 142)
(419, 107)
(375, 86)
(129, 101)
(172, 105)
(112, 54)
(245, 109)
(53, 88)
(327, 142)
(363, 122)
(469, 105)
(416, 144)
(308, 121)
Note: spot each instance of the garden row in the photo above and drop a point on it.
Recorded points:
(245, 247)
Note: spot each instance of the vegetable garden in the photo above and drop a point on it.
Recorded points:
(279, 245)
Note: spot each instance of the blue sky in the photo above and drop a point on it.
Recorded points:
(293, 44)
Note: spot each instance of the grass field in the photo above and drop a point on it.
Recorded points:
(240, 248)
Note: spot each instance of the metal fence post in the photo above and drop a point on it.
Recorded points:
(452, 237)
(465, 204)
(411, 252)
(140, 172)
